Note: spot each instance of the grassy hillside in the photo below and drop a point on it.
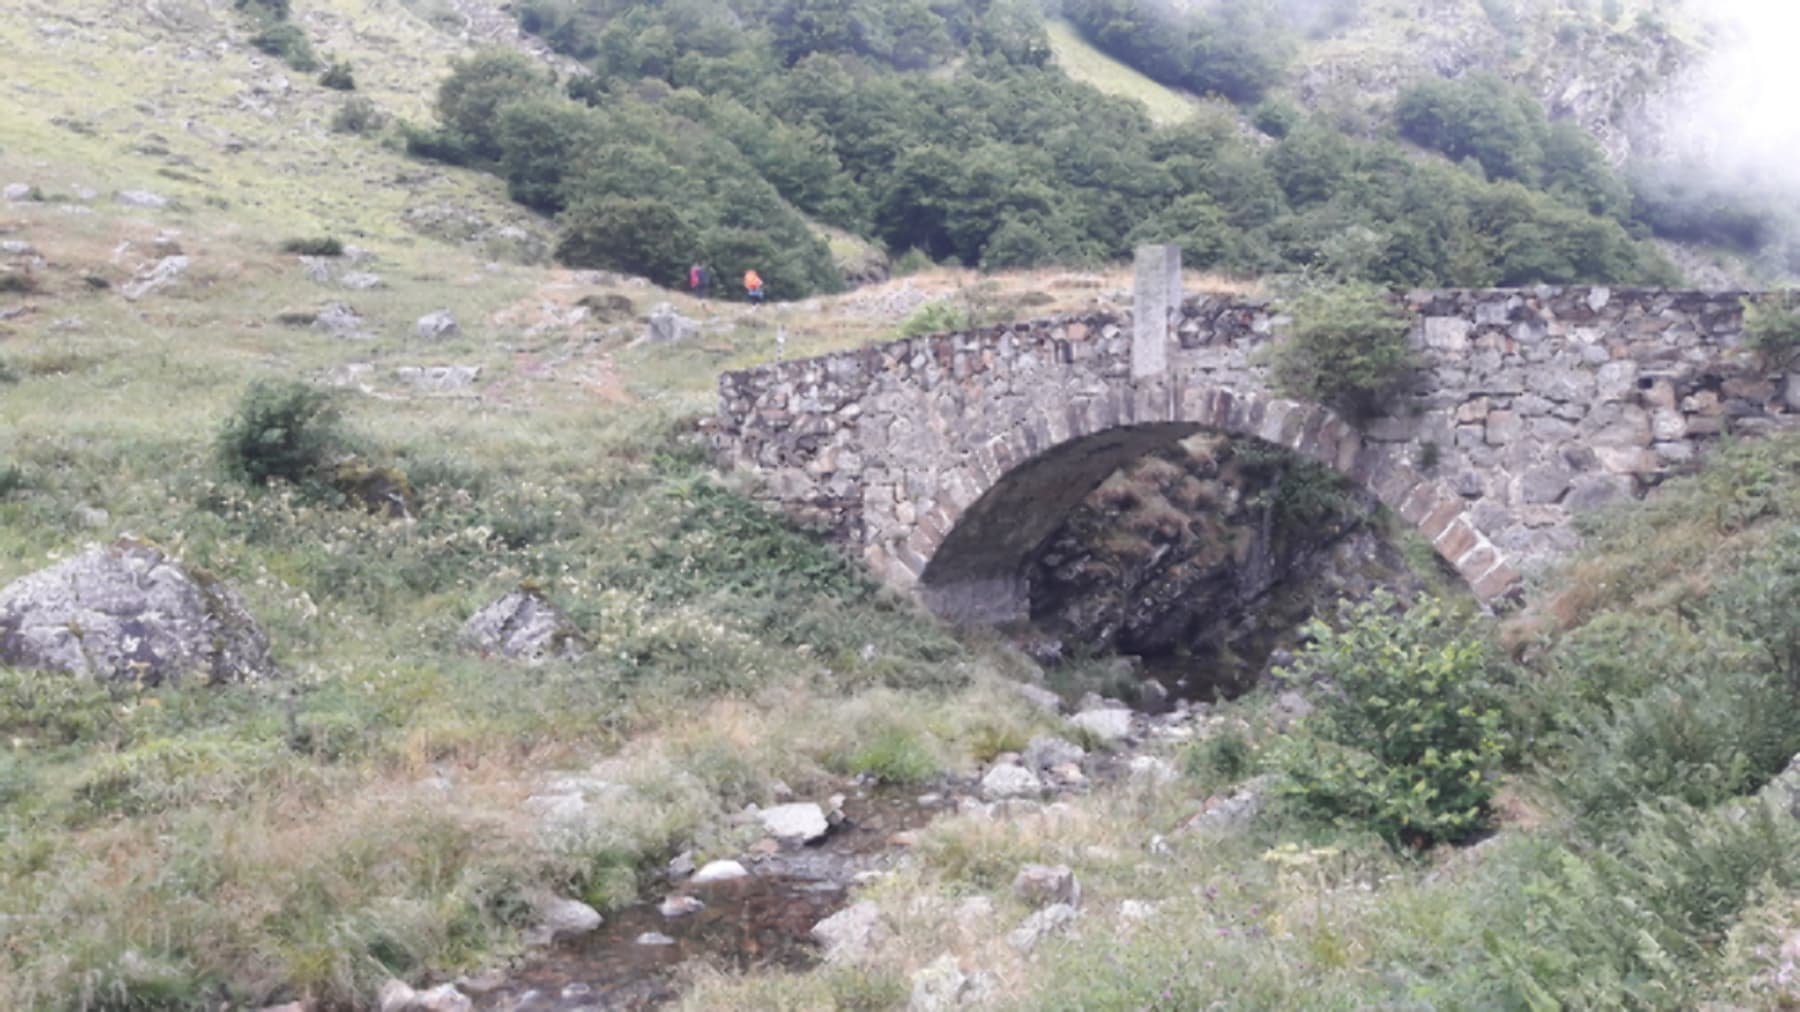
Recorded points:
(1080, 60)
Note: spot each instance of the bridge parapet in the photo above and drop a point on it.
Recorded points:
(1530, 406)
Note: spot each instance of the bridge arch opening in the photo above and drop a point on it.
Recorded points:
(976, 558)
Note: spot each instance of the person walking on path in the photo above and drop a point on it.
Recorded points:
(753, 287)
(699, 280)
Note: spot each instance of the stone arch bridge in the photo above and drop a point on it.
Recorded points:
(948, 460)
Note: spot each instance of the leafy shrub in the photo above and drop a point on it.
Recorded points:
(1772, 330)
(1635, 926)
(1223, 758)
(1347, 348)
(1408, 740)
(936, 317)
(282, 430)
(358, 115)
(1276, 118)
(895, 757)
(12, 479)
(287, 42)
(326, 246)
(338, 76)
(638, 235)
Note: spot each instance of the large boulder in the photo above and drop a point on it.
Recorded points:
(524, 626)
(666, 326)
(129, 613)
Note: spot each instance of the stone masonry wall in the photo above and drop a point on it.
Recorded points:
(946, 460)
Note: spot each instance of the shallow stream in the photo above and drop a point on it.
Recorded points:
(764, 920)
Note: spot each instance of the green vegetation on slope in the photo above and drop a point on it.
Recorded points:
(970, 145)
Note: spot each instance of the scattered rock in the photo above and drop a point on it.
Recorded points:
(666, 326)
(719, 871)
(16, 192)
(93, 517)
(1047, 750)
(437, 325)
(17, 248)
(1136, 911)
(396, 996)
(524, 626)
(1007, 781)
(848, 934)
(1227, 811)
(155, 278)
(338, 318)
(1040, 697)
(1067, 775)
(654, 938)
(142, 198)
(1043, 884)
(682, 864)
(1149, 769)
(566, 918)
(973, 912)
(679, 906)
(438, 379)
(129, 613)
(938, 986)
(1152, 696)
(359, 281)
(802, 822)
(1051, 920)
(1110, 726)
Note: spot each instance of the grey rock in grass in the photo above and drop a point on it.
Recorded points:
(1230, 811)
(1040, 697)
(1136, 911)
(129, 613)
(17, 248)
(565, 918)
(142, 198)
(939, 986)
(1151, 770)
(524, 626)
(338, 318)
(1047, 751)
(436, 325)
(1044, 884)
(438, 379)
(1109, 726)
(16, 192)
(849, 934)
(666, 326)
(802, 822)
(654, 938)
(1006, 781)
(1052, 920)
(155, 278)
(359, 281)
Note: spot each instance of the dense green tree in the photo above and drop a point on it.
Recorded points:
(635, 235)
(469, 100)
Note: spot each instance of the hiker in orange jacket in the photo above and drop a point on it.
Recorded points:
(753, 286)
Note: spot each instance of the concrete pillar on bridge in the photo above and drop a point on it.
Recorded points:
(1156, 306)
